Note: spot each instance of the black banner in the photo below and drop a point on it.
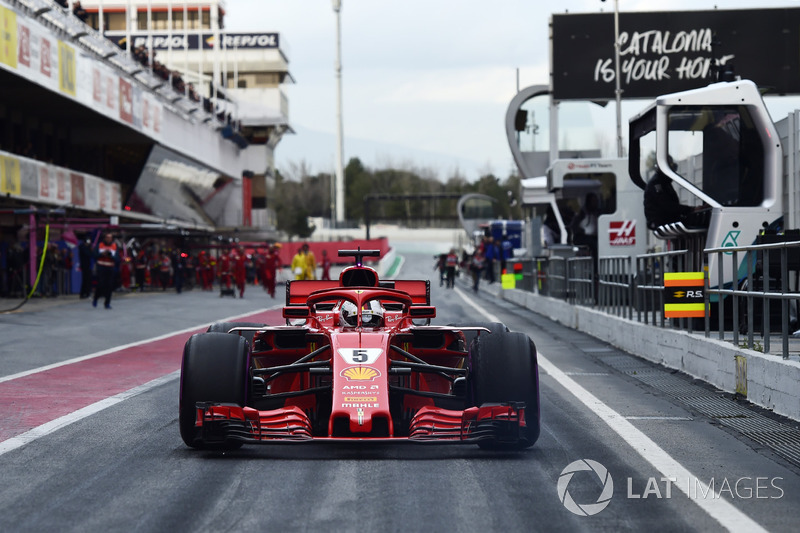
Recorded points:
(669, 51)
(232, 41)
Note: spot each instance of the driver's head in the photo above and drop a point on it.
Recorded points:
(348, 314)
(371, 314)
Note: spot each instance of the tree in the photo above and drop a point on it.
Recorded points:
(303, 195)
(299, 225)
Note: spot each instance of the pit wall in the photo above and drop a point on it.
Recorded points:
(772, 382)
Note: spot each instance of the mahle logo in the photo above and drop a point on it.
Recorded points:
(591, 508)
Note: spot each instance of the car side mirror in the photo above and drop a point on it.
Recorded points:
(296, 311)
(422, 311)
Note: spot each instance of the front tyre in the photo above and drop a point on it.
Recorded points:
(225, 327)
(503, 369)
(215, 368)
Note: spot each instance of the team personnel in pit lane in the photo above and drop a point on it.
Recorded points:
(326, 266)
(238, 260)
(140, 265)
(298, 265)
(164, 270)
(106, 262)
(311, 263)
(85, 253)
(451, 263)
(225, 272)
(205, 271)
(271, 263)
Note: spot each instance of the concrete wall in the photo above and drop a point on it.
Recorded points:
(772, 382)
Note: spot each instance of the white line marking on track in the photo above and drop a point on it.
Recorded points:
(659, 417)
(54, 425)
(713, 504)
(125, 346)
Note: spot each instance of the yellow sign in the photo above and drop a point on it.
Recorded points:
(508, 281)
(683, 294)
(8, 37)
(9, 175)
(66, 68)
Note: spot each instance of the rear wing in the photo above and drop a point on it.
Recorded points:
(298, 291)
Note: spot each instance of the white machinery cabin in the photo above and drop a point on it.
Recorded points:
(728, 156)
(621, 230)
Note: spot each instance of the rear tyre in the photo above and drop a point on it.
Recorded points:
(225, 327)
(504, 368)
(214, 369)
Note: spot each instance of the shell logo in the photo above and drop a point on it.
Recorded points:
(360, 373)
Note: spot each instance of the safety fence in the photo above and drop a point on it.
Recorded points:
(758, 311)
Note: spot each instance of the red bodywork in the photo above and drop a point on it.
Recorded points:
(324, 380)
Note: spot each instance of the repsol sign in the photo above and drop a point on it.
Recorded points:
(669, 51)
(179, 41)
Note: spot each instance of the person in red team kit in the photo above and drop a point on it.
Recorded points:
(238, 260)
(326, 265)
(140, 267)
(164, 270)
(271, 263)
(205, 274)
(106, 262)
(224, 272)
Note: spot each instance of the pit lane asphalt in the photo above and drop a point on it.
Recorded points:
(126, 468)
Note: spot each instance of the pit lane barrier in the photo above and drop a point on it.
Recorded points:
(629, 316)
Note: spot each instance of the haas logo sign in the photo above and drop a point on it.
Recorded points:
(622, 233)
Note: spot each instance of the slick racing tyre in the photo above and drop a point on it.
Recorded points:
(504, 368)
(469, 336)
(215, 369)
(225, 327)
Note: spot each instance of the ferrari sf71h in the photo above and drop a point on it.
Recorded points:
(358, 360)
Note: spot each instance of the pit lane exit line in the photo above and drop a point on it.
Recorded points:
(53, 413)
(717, 508)
(130, 345)
(54, 425)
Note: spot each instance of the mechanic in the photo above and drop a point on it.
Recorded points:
(205, 271)
(299, 263)
(238, 259)
(106, 261)
(85, 258)
(451, 262)
(164, 269)
(311, 263)
(224, 272)
(140, 268)
(271, 263)
(662, 205)
(584, 225)
(490, 253)
(326, 265)
(476, 267)
(441, 259)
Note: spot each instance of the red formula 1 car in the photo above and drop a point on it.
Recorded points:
(358, 367)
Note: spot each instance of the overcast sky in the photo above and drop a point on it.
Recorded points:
(423, 77)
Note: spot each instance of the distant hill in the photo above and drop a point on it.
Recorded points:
(318, 150)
